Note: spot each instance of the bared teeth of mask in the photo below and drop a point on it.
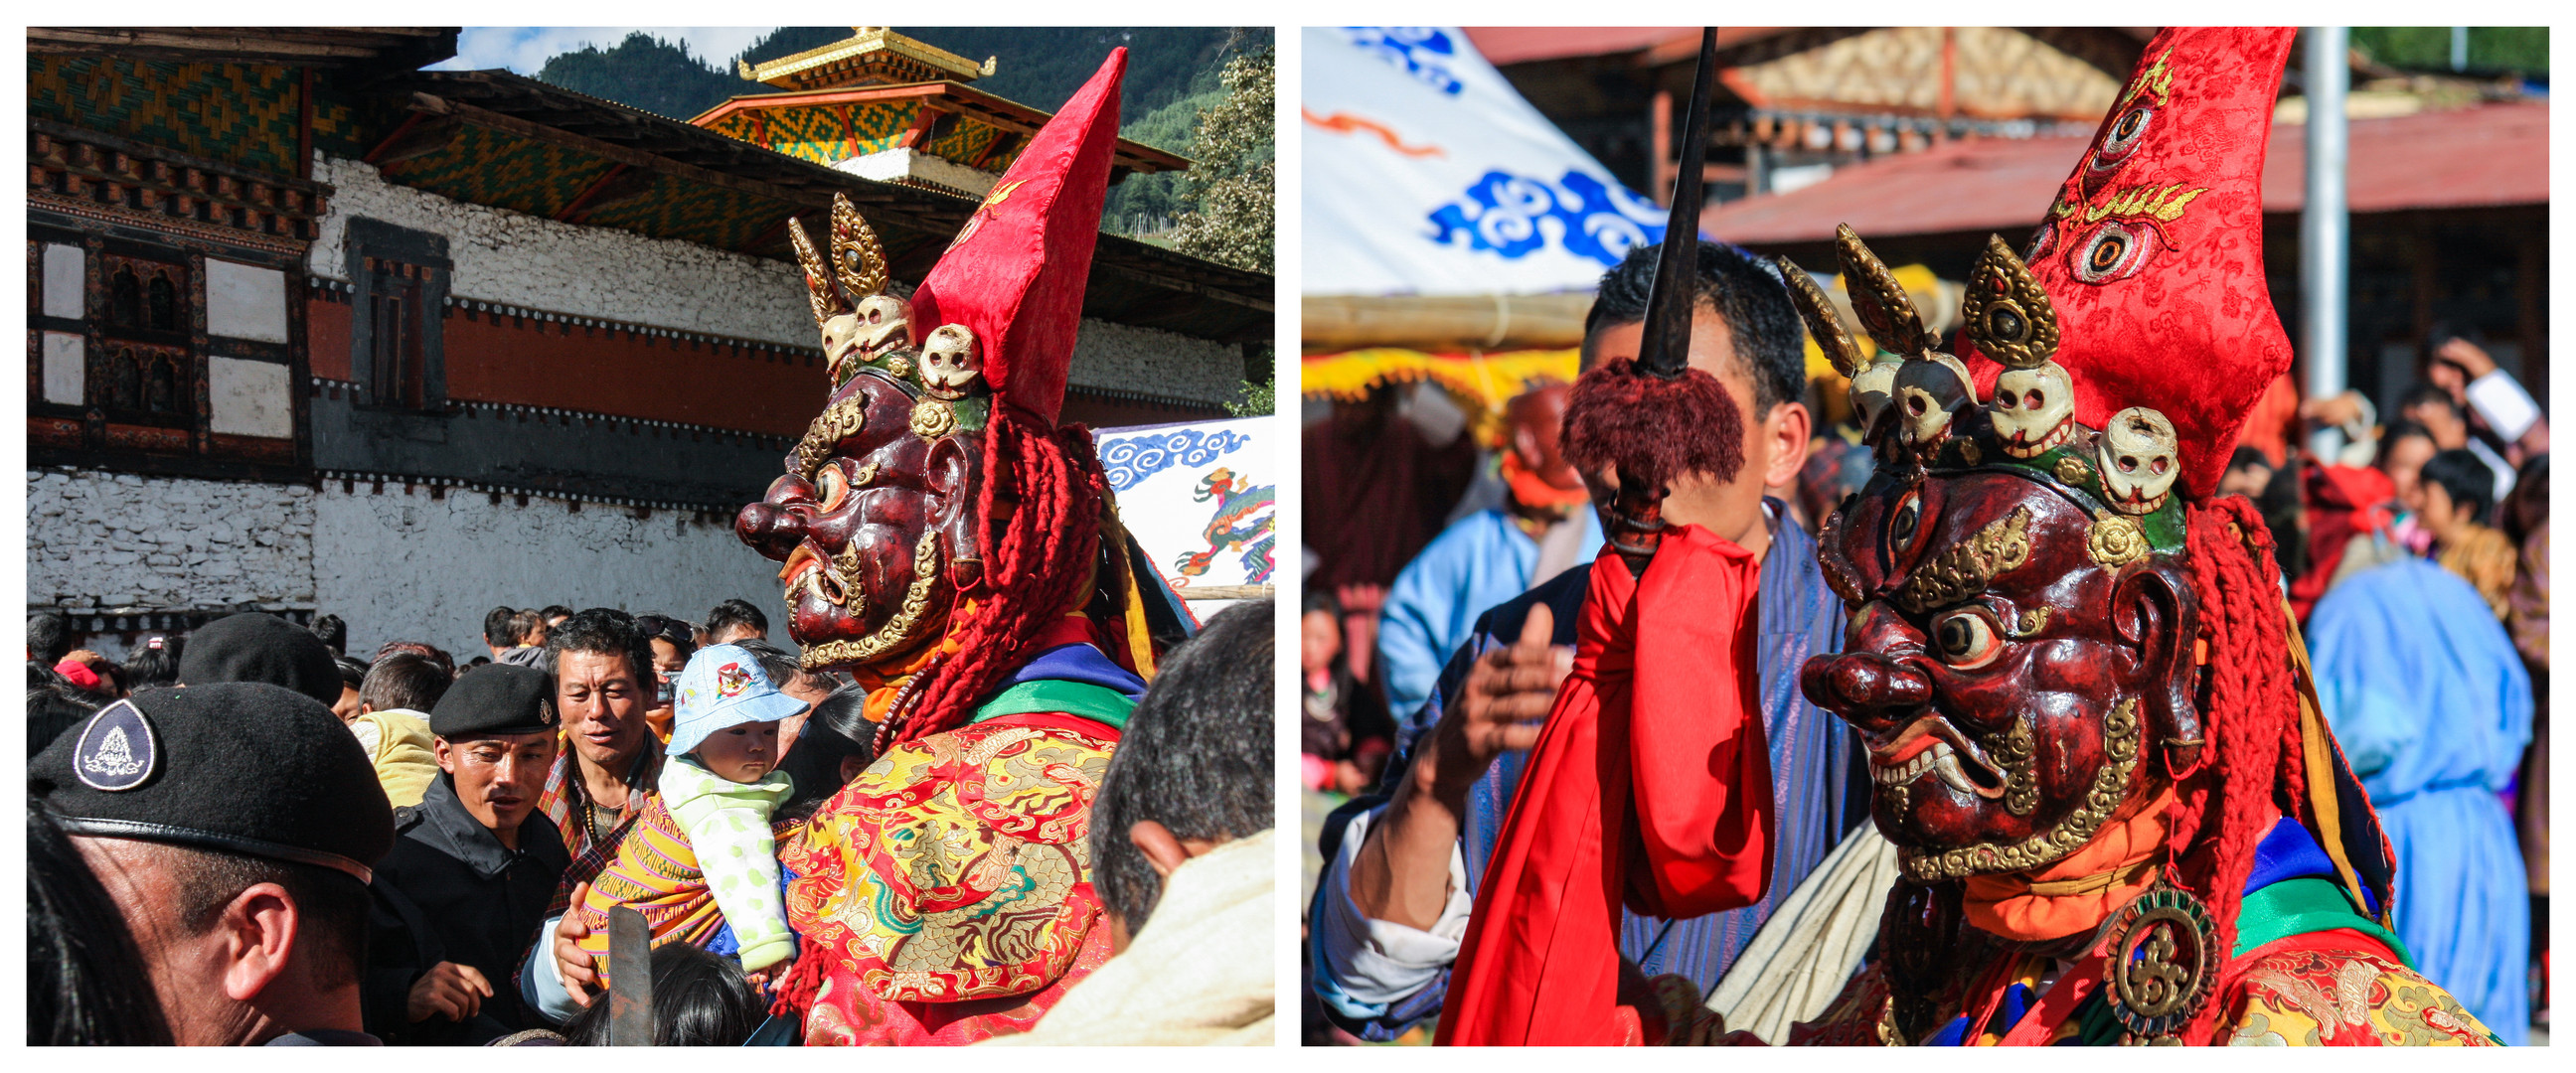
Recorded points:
(1946, 765)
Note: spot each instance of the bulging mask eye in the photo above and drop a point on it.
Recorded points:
(1904, 522)
(1966, 639)
(830, 487)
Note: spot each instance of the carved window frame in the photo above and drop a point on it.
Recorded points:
(397, 315)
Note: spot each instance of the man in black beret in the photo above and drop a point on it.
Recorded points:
(476, 858)
(237, 825)
(258, 647)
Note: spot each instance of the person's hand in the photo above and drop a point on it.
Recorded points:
(1506, 699)
(570, 962)
(2467, 357)
(761, 980)
(85, 657)
(448, 990)
(2344, 409)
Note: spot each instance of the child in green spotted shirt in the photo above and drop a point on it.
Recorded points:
(720, 782)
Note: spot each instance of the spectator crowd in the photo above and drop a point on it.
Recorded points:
(243, 834)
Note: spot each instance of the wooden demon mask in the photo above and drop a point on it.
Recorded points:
(2019, 659)
(875, 521)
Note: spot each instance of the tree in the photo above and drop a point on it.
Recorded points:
(1232, 190)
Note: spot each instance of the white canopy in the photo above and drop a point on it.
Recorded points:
(1427, 174)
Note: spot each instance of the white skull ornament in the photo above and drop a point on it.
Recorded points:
(885, 325)
(2033, 409)
(1872, 387)
(1929, 392)
(2137, 458)
(951, 361)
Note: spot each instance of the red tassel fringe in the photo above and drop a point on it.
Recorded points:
(1653, 429)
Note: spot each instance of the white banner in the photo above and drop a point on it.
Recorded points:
(1202, 498)
(1426, 173)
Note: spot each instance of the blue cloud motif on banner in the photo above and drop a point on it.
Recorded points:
(1516, 216)
(1420, 51)
(1131, 459)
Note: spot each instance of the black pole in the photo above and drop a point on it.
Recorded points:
(1664, 349)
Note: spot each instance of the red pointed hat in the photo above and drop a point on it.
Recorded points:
(1015, 273)
(2152, 253)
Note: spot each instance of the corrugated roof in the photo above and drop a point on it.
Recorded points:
(2490, 155)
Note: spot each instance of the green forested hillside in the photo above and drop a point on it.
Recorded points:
(1172, 77)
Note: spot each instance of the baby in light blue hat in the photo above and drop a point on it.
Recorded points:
(721, 783)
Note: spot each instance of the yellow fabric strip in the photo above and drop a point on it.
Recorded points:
(2319, 756)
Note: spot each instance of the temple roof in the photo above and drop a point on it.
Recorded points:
(873, 55)
(960, 123)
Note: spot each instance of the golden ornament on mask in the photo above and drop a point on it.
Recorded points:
(2072, 470)
(2021, 783)
(897, 630)
(932, 418)
(837, 422)
(2008, 314)
(2115, 541)
(1969, 566)
(2120, 748)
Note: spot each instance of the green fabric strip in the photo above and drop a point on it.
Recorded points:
(1092, 702)
(2299, 906)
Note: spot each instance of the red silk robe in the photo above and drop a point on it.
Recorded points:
(1651, 784)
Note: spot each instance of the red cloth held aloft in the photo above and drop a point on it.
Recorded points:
(1651, 785)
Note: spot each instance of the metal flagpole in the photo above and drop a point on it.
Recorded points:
(2325, 228)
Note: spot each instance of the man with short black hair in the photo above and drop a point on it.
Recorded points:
(528, 628)
(498, 634)
(236, 825)
(1181, 855)
(736, 620)
(603, 673)
(476, 857)
(603, 667)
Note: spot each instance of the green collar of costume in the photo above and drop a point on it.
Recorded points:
(1097, 703)
(2299, 906)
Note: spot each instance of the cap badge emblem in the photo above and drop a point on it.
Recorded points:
(117, 749)
(731, 680)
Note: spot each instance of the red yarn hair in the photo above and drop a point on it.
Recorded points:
(1034, 570)
(2254, 767)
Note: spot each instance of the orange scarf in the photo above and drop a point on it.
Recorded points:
(2079, 890)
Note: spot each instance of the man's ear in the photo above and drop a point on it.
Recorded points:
(446, 754)
(954, 471)
(1790, 428)
(2152, 610)
(258, 932)
(1161, 850)
(1164, 850)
